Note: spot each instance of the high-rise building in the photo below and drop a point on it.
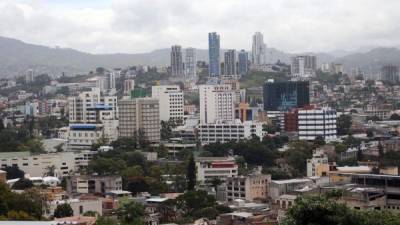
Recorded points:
(140, 116)
(390, 73)
(304, 66)
(176, 61)
(171, 101)
(190, 63)
(129, 86)
(258, 50)
(92, 107)
(283, 96)
(319, 122)
(213, 54)
(230, 62)
(243, 64)
(111, 80)
(217, 102)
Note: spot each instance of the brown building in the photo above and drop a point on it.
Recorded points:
(140, 115)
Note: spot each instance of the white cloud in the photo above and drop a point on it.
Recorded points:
(144, 25)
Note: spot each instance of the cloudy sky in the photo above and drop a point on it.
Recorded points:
(132, 26)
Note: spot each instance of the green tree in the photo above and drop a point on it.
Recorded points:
(131, 213)
(14, 172)
(191, 174)
(192, 201)
(296, 156)
(343, 124)
(22, 184)
(63, 210)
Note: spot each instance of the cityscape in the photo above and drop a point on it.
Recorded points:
(186, 135)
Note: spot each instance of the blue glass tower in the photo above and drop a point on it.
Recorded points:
(243, 66)
(213, 54)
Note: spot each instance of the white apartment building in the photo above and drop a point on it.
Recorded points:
(304, 66)
(319, 158)
(92, 107)
(317, 122)
(217, 102)
(92, 116)
(249, 188)
(37, 165)
(83, 136)
(258, 50)
(170, 98)
(225, 131)
(208, 168)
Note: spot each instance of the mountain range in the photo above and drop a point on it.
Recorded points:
(16, 57)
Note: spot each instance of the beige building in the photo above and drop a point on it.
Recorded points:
(248, 188)
(140, 115)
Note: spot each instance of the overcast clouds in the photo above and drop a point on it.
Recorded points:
(133, 26)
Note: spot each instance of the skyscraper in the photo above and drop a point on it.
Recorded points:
(190, 63)
(390, 73)
(258, 50)
(176, 61)
(282, 96)
(230, 62)
(243, 66)
(213, 54)
(304, 66)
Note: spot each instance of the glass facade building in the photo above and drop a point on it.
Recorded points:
(213, 54)
(283, 96)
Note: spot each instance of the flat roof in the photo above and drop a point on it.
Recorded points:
(156, 199)
(289, 181)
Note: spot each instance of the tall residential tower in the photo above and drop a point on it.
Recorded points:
(213, 54)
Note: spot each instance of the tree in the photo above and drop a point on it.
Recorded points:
(22, 184)
(192, 201)
(131, 212)
(370, 133)
(395, 116)
(13, 172)
(50, 171)
(343, 124)
(319, 141)
(63, 210)
(191, 174)
(296, 156)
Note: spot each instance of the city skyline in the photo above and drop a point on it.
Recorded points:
(134, 26)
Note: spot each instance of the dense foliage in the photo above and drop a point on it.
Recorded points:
(319, 210)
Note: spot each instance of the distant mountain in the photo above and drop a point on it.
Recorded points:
(371, 61)
(16, 57)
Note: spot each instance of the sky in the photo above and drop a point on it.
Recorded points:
(134, 26)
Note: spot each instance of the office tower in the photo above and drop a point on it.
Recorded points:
(170, 98)
(129, 86)
(140, 116)
(283, 96)
(390, 73)
(213, 54)
(243, 65)
(176, 61)
(230, 62)
(216, 103)
(258, 50)
(190, 63)
(317, 122)
(92, 107)
(111, 80)
(304, 66)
